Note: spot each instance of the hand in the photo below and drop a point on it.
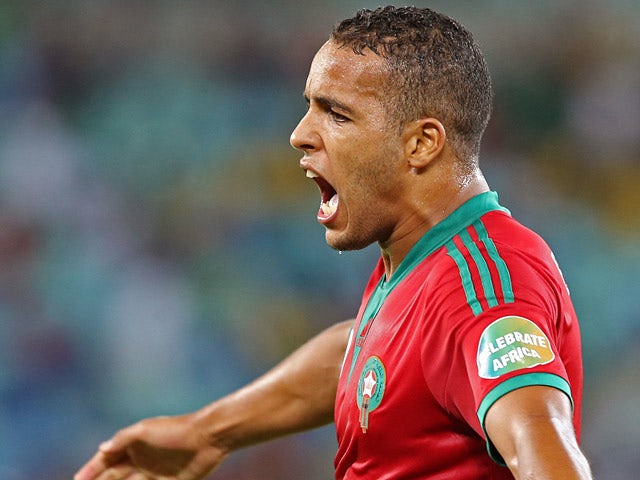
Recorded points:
(162, 448)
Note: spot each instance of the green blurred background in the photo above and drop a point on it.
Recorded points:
(158, 242)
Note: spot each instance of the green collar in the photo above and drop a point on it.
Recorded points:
(436, 237)
(461, 218)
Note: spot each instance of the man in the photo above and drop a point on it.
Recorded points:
(464, 360)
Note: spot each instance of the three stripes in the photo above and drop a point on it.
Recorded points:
(484, 259)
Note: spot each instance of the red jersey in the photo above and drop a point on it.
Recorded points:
(477, 309)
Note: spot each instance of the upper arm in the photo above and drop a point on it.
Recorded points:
(532, 429)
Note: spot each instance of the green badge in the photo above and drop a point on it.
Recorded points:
(512, 343)
(371, 387)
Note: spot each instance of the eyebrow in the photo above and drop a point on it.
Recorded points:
(329, 104)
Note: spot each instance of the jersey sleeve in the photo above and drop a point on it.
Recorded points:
(504, 316)
(511, 347)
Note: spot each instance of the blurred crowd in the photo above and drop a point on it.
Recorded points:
(158, 242)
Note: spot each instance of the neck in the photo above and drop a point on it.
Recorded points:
(425, 214)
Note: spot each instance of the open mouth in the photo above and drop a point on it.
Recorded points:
(328, 197)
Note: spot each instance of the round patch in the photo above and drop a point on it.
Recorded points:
(509, 344)
(372, 382)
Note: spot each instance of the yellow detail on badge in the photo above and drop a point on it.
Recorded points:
(510, 344)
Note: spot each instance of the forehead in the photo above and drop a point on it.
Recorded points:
(339, 71)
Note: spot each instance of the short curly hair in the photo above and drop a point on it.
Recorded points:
(436, 69)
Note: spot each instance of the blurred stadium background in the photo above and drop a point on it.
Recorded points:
(158, 242)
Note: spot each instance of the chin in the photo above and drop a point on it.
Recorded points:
(343, 242)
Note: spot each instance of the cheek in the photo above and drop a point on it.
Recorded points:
(366, 160)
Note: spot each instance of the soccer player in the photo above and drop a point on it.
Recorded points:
(464, 360)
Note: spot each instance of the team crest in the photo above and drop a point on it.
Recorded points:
(371, 387)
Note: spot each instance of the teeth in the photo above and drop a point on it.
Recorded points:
(311, 174)
(330, 207)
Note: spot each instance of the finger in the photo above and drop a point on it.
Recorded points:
(94, 467)
(138, 476)
(122, 471)
(121, 440)
(109, 454)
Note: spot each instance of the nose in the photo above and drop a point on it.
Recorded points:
(304, 137)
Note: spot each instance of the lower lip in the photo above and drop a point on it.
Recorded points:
(324, 219)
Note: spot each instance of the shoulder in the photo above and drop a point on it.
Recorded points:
(492, 261)
(499, 239)
(527, 256)
(506, 231)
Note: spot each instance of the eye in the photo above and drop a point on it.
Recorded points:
(338, 117)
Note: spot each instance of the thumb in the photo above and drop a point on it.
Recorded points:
(120, 441)
(107, 447)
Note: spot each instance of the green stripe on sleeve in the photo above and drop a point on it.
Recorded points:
(501, 266)
(465, 276)
(511, 384)
(483, 269)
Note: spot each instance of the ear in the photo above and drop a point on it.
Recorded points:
(424, 140)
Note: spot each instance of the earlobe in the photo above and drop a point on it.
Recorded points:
(425, 142)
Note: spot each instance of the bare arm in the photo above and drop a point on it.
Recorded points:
(532, 429)
(295, 395)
